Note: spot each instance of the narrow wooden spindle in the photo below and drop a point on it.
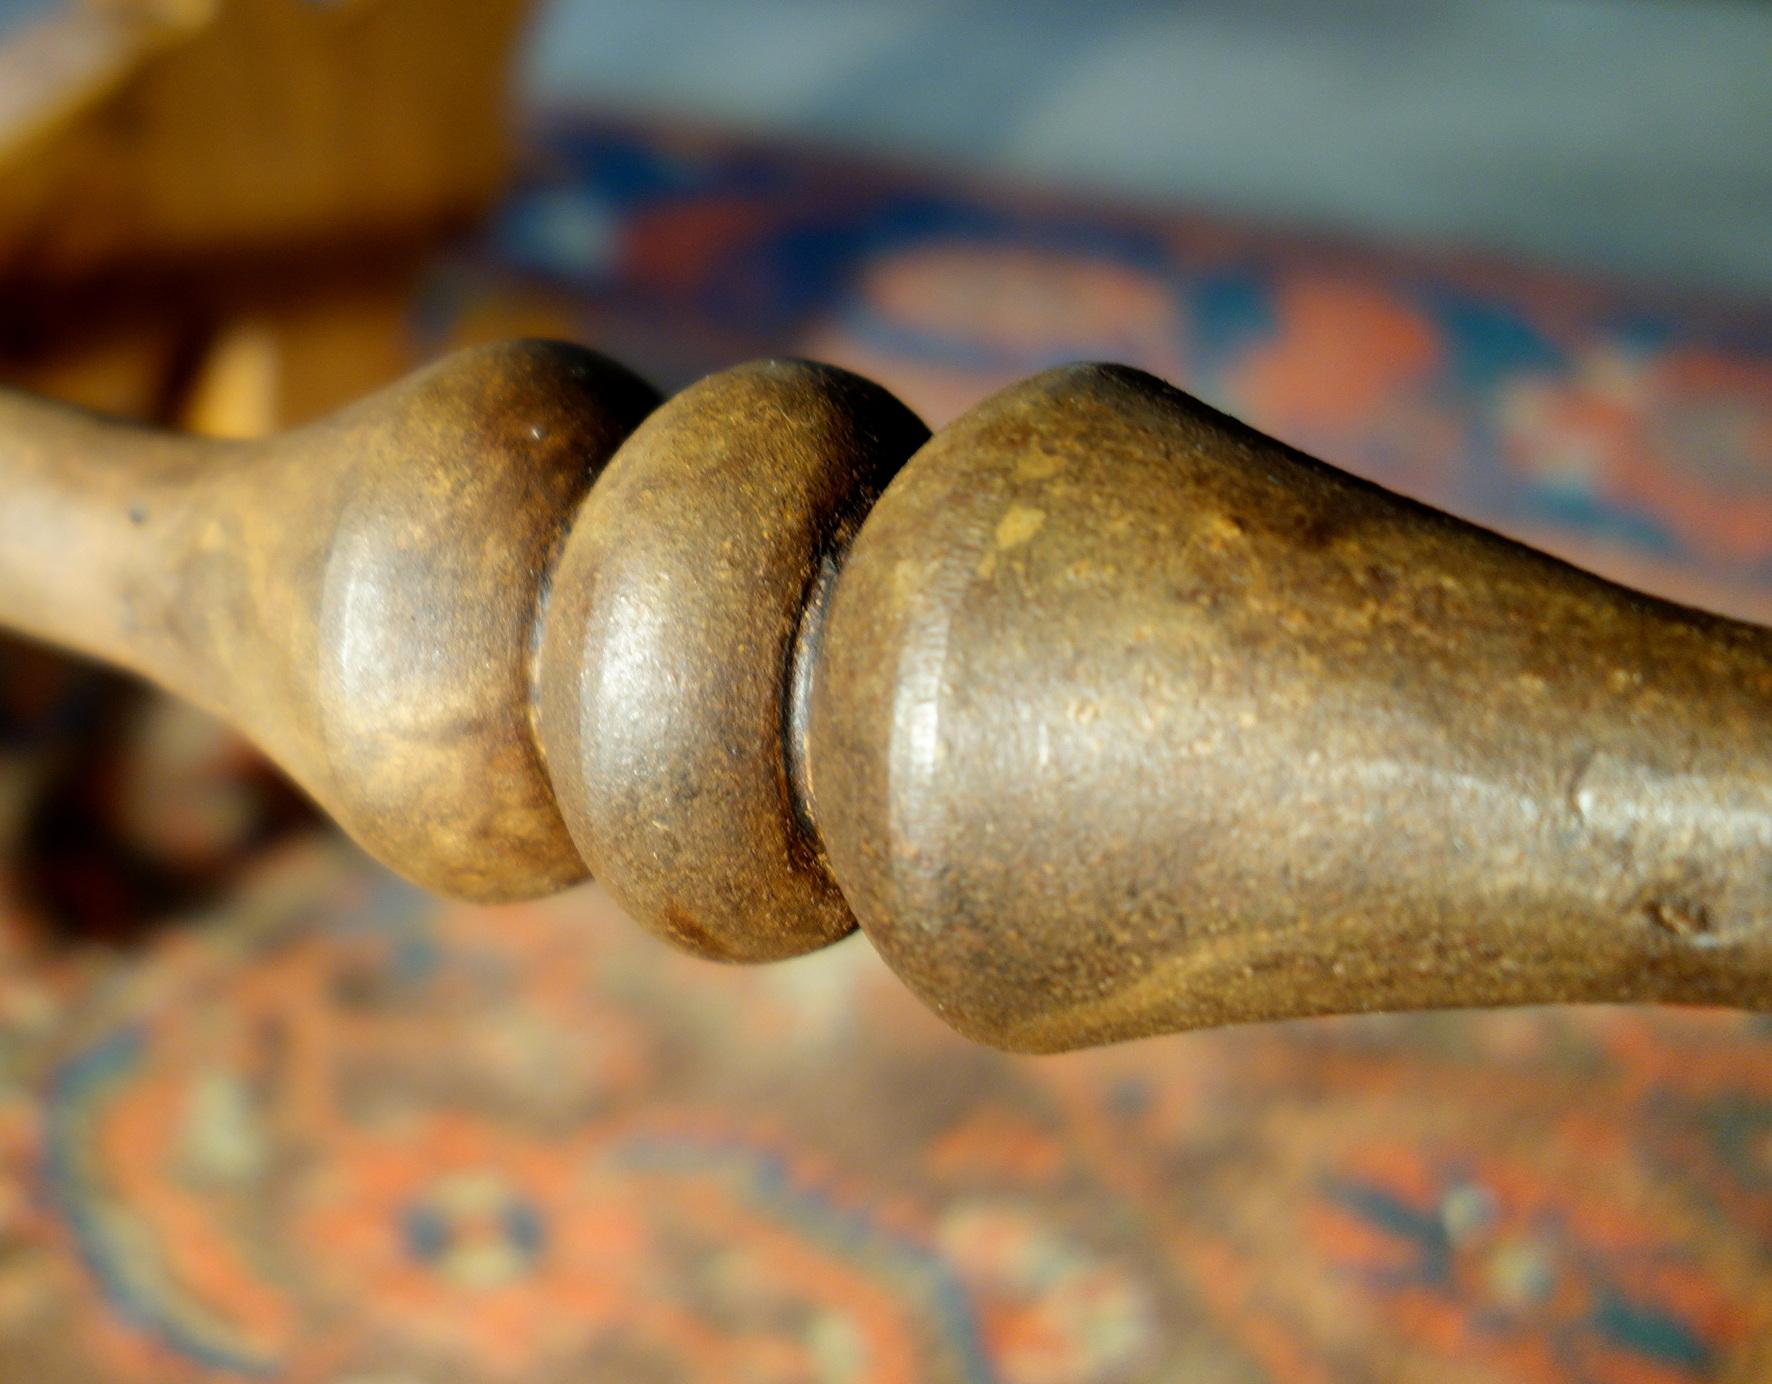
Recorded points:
(1103, 714)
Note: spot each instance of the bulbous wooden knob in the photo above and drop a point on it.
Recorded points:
(668, 674)
(1102, 714)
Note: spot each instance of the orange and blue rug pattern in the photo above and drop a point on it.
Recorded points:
(268, 1114)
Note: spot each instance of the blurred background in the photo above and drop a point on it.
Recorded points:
(266, 1112)
(1623, 136)
(1626, 136)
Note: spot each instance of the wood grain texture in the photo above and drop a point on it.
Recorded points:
(359, 596)
(1104, 715)
(1132, 719)
(667, 673)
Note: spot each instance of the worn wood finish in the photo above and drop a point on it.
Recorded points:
(1132, 719)
(359, 596)
(666, 683)
(1102, 714)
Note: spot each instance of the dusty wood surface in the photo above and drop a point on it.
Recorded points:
(1109, 716)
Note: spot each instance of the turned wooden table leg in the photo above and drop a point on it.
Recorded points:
(1132, 719)
(1102, 714)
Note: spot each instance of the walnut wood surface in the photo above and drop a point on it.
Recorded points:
(359, 596)
(1102, 714)
(666, 672)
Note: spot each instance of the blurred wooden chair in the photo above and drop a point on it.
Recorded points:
(211, 210)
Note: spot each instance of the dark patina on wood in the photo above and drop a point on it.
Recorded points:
(1101, 713)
